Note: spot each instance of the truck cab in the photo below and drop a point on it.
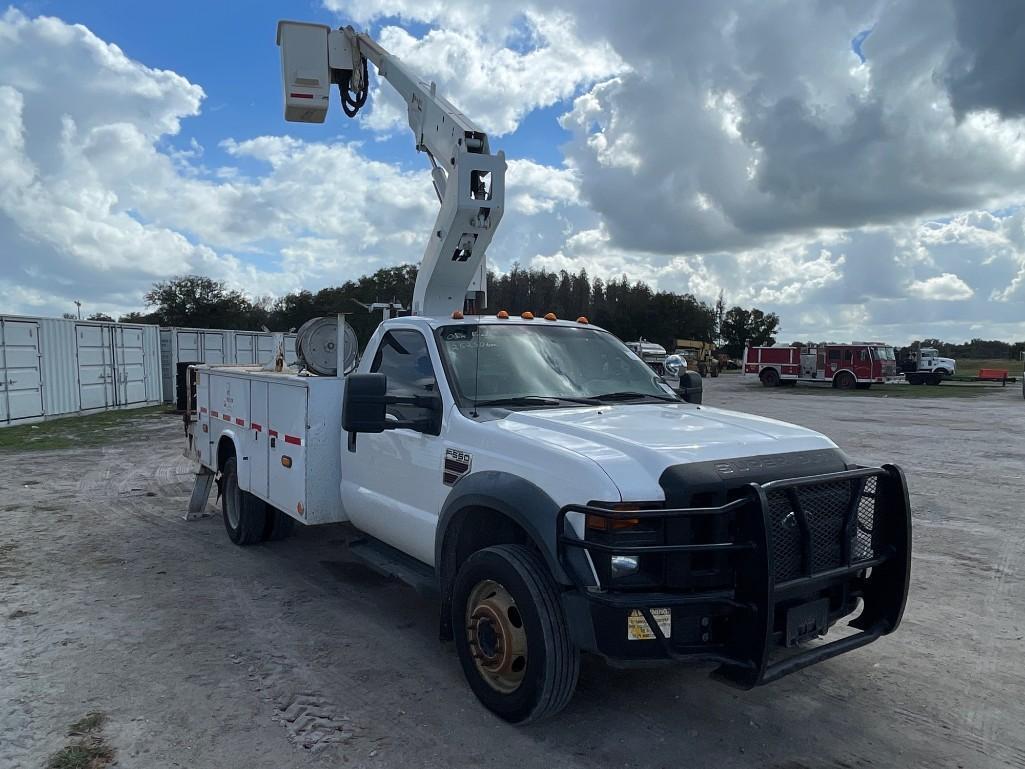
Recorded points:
(925, 366)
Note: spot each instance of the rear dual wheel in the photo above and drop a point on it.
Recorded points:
(247, 518)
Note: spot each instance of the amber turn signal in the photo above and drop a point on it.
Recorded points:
(601, 523)
(286, 461)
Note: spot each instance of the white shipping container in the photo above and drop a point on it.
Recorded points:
(53, 367)
(207, 345)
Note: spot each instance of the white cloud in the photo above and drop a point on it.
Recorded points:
(947, 287)
(739, 146)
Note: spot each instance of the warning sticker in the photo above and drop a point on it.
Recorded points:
(637, 628)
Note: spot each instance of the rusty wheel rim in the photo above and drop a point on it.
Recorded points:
(497, 638)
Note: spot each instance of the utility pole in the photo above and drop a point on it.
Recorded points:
(78, 304)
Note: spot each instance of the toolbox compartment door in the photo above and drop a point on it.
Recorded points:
(287, 448)
(257, 441)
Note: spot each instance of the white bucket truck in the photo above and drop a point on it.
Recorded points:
(558, 496)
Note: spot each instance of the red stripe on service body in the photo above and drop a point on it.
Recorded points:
(213, 413)
(272, 433)
(202, 409)
(239, 422)
(293, 440)
(301, 95)
(255, 426)
(226, 417)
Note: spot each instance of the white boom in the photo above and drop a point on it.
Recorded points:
(469, 180)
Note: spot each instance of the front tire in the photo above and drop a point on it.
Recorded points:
(245, 516)
(845, 381)
(511, 634)
(769, 377)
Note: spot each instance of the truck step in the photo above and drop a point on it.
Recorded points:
(390, 562)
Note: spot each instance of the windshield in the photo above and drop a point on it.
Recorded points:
(547, 362)
(883, 353)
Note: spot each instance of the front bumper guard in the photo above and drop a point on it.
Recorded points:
(746, 657)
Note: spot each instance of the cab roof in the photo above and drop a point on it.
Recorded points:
(434, 322)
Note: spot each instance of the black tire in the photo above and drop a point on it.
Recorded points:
(845, 381)
(915, 379)
(934, 379)
(245, 516)
(551, 663)
(769, 377)
(279, 525)
(715, 372)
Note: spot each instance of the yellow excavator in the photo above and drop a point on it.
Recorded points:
(699, 356)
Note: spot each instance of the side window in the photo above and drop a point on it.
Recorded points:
(848, 355)
(404, 358)
(834, 355)
(864, 356)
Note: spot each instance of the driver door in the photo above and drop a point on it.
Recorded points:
(392, 484)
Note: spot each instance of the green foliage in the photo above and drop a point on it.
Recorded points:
(977, 348)
(740, 327)
(629, 310)
(193, 300)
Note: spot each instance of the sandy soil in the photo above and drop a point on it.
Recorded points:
(291, 654)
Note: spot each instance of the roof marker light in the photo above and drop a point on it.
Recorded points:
(502, 315)
(457, 315)
(551, 316)
(528, 315)
(583, 320)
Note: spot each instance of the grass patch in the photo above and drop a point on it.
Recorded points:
(945, 390)
(971, 366)
(89, 749)
(91, 722)
(70, 432)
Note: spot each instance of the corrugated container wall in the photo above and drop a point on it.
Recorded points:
(52, 367)
(180, 346)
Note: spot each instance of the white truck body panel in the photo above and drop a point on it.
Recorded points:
(270, 417)
(391, 487)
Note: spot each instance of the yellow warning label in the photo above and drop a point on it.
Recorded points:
(637, 628)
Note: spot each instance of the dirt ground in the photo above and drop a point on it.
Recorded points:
(203, 654)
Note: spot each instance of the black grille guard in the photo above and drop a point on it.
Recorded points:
(745, 658)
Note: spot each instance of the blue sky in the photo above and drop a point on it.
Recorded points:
(232, 54)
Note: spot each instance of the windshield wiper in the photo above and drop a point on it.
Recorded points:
(538, 400)
(627, 395)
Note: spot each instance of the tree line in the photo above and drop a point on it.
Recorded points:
(630, 310)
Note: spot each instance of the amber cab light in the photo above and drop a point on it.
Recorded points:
(551, 316)
(502, 315)
(528, 315)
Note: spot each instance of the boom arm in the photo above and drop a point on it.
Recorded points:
(469, 180)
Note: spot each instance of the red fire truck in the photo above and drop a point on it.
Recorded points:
(846, 366)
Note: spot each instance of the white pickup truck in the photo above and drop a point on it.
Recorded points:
(560, 498)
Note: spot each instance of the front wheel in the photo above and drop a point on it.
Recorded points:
(845, 381)
(511, 634)
(769, 377)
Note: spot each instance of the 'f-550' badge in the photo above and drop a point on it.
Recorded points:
(457, 464)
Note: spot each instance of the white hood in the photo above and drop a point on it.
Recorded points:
(635, 443)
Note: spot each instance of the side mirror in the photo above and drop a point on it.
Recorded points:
(363, 403)
(690, 387)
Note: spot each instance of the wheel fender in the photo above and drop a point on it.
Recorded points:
(519, 499)
(241, 460)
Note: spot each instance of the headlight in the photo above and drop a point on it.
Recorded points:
(674, 364)
(624, 565)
